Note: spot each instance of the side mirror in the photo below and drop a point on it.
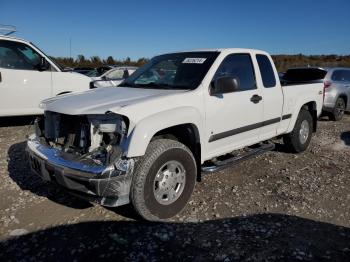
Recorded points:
(224, 85)
(43, 65)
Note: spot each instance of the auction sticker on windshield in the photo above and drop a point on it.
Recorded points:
(193, 60)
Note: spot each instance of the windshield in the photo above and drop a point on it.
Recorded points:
(173, 71)
(53, 60)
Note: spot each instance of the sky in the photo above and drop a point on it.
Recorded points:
(146, 28)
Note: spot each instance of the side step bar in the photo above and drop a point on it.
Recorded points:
(219, 165)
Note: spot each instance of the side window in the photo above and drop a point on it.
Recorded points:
(238, 66)
(266, 71)
(341, 75)
(337, 75)
(15, 55)
(115, 74)
(347, 75)
(8, 57)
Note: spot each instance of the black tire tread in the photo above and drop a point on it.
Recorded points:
(291, 140)
(141, 168)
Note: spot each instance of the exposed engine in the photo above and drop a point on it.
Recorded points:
(88, 138)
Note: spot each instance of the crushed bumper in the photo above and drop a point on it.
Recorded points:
(108, 186)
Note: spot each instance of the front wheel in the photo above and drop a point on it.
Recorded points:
(163, 180)
(299, 139)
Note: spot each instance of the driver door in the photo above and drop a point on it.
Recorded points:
(22, 85)
(233, 120)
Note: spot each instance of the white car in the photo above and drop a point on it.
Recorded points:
(27, 76)
(112, 77)
(147, 141)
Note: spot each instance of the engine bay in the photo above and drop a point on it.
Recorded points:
(94, 139)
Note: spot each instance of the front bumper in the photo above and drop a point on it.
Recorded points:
(108, 186)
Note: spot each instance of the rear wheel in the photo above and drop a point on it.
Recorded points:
(299, 139)
(339, 110)
(163, 180)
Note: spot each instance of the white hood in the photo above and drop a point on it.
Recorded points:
(101, 100)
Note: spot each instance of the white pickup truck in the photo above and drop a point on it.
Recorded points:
(28, 76)
(182, 114)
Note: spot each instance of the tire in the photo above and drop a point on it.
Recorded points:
(299, 139)
(339, 109)
(146, 194)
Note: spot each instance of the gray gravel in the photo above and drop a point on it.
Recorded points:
(278, 206)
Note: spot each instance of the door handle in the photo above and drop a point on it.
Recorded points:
(0, 77)
(256, 99)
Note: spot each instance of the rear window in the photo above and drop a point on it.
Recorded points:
(266, 71)
(304, 74)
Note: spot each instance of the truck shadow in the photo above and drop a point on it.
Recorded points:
(345, 136)
(262, 237)
(19, 171)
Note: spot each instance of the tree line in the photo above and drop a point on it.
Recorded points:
(96, 61)
(283, 62)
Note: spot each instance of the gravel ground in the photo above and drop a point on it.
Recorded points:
(278, 206)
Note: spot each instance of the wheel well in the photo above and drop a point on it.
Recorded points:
(312, 108)
(345, 99)
(186, 134)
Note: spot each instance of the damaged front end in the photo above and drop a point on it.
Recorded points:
(84, 154)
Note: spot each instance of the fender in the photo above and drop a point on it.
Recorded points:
(142, 133)
(297, 109)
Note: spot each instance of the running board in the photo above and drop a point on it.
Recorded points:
(219, 165)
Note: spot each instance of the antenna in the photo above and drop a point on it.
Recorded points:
(70, 47)
(7, 29)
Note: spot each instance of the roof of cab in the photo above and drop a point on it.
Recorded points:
(13, 38)
(222, 50)
(226, 50)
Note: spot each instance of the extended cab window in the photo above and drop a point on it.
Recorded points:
(15, 55)
(266, 71)
(238, 66)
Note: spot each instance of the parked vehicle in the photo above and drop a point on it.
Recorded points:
(337, 92)
(147, 141)
(112, 77)
(99, 71)
(336, 83)
(27, 76)
(83, 70)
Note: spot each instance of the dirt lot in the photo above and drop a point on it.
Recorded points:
(275, 207)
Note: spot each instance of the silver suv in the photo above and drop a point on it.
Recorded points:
(337, 92)
(336, 85)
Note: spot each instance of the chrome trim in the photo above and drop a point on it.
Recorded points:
(53, 157)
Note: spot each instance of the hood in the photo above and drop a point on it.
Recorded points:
(101, 100)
